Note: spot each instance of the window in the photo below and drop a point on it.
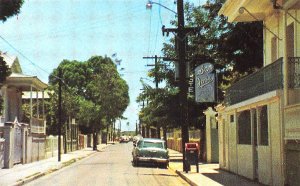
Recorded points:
(274, 49)
(244, 127)
(290, 40)
(264, 133)
(148, 144)
(231, 118)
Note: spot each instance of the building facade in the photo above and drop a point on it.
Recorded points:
(22, 140)
(259, 123)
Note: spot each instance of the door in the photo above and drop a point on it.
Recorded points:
(17, 145)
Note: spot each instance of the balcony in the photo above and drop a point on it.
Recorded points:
(265, 80)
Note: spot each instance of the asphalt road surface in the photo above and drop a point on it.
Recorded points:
(112, 166)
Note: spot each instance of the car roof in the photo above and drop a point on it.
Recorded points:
(153, 139)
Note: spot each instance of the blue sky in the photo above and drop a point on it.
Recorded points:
(48, 31)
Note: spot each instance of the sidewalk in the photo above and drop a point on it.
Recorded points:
(24, 173)
(209, 174)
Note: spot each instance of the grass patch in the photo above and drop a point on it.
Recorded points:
(69, 162)
(32, 175)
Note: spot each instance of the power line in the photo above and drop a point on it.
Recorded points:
(18, 51)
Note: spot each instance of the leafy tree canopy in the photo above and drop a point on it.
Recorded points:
(93, 91)
(235, 49)
(9, 8)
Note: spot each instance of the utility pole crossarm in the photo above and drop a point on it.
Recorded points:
(186, 30)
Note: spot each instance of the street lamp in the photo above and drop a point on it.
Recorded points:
(150, 3)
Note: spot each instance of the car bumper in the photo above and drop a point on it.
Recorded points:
(154, 160)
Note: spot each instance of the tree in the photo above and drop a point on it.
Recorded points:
(94, 92)
(4, 72)
(9, 8)
(217, 42)
(235, 49)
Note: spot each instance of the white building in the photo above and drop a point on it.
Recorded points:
(259, 126)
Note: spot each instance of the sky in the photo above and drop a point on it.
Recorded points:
(48, 31)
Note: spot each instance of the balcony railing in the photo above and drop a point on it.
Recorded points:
(265, 80)
(294, 72)
(38, 126)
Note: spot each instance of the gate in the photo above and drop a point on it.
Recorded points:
(18, 145)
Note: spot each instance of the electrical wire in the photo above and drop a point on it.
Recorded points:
(18, 51)
(149, 36)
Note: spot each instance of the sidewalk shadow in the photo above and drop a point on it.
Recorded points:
(228, 179)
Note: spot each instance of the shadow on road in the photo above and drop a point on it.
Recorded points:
(226, 179)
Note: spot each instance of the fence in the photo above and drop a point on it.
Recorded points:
(2, 141)
(174, 139)
(82, 141)
(51, 146)
(38, 126)
(2, 119)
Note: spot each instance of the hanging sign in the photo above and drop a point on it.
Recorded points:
(205, 83)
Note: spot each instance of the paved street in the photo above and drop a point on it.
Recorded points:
(112, 166)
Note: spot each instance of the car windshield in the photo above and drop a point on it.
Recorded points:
(150, 144)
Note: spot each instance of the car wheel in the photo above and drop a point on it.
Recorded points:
(135, 162)
(165, 165)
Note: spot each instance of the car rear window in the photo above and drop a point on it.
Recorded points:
(148, 144)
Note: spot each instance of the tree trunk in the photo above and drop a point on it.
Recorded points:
(157, 131)
(165, 135)
(106, 134)
(95, 139)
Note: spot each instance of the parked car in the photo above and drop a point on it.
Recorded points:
(150, 150)
(124, 139)
(137, 138)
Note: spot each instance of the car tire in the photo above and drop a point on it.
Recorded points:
(165, 165)
(135, 163)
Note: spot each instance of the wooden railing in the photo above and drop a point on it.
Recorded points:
(38, 126)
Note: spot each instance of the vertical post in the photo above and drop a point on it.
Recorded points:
(285, 61)
(30, 105)
(37, 104)
(59, 113)
(156, 88)
(156, 72)
(9, 136)
(43, 103)
(182, 80)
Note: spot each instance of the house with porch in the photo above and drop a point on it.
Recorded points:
(24, 139)
(259, 123)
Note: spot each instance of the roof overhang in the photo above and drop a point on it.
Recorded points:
(25, 82)
(259, 9)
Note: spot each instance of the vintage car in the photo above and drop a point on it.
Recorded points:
(150, 150)
(137, 138)
(124, 139)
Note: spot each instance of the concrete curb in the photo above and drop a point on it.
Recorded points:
(186, 178)
(183, 177)
(29, 179)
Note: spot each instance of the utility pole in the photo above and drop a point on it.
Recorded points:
(181, 33)
(156, 83)
(182, 81)
(59, 113)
